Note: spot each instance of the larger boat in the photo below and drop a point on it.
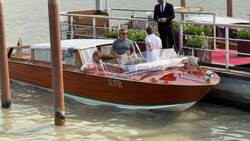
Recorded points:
(168, 83)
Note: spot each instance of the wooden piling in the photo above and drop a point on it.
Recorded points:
(56, 56)
(183, 3)
(4, 68)
(230, 8)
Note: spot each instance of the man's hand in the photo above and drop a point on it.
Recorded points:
(132, 58)
(162, 20)
(159, 20)
(149, 45)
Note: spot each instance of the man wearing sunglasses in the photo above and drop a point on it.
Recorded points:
(163, 15)
(123, 47)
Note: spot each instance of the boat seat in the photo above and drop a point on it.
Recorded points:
(105, 51)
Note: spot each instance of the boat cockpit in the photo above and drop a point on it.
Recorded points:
(76, 57)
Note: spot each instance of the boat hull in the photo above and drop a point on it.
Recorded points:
(113, 91)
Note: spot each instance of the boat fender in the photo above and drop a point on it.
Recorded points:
(69, 53)
(209, 75)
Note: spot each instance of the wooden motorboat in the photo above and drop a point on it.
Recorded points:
(168, 83)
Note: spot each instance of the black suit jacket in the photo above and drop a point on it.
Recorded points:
(167, 13)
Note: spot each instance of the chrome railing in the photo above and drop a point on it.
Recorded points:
(69, 27)
(182, 16)
(94, 31)
(226, 38)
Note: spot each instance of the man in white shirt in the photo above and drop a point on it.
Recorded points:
(153, 44)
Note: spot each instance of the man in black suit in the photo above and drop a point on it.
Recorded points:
(163, 15)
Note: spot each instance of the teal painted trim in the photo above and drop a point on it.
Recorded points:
(85, 97)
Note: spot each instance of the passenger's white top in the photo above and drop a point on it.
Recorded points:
(75, 43)
(154, 40)
(156, 44)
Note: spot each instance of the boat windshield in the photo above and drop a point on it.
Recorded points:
(156, 60)
(144, 57)
(143, 61)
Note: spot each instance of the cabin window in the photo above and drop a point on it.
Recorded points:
(41, 55)
(68, 56)
(105, 51)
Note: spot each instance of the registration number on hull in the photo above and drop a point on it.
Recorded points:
(115, 83)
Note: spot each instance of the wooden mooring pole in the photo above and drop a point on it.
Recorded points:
(101, 5)
(56, 56)
(230, 8)
(183, 3)
(4, 68)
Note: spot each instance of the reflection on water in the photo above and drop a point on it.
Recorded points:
(31, 118)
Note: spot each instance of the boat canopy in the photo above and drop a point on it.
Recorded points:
(75, 44)
(218, 20)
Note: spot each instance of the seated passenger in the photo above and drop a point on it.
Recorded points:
(123, 48)
(97, 57)
(97, 63)
(153, 44)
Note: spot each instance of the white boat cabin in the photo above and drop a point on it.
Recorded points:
(78, 52)
(74, 52)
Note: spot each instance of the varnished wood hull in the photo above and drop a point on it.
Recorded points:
(112, 90)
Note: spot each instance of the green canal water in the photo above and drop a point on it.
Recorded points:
(31, 116)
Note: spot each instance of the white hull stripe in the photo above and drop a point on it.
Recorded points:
(172, 107)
